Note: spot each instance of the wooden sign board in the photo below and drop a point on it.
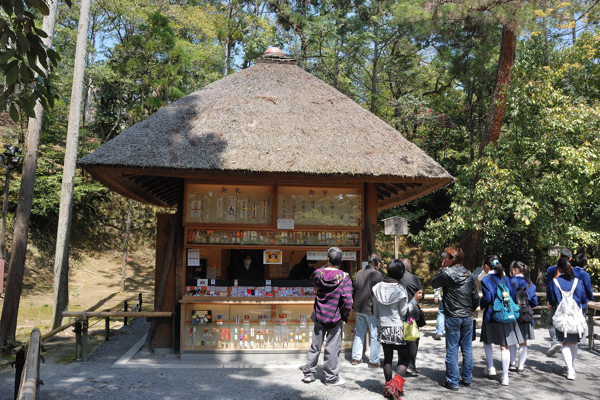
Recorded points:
(395, 226)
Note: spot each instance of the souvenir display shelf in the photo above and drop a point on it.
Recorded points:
(250, 324)
(272, 237)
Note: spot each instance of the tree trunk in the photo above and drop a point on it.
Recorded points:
(374, 75)
(228, 41)
(505, 62)
(126, 247)
(61, 258)
(14, 285)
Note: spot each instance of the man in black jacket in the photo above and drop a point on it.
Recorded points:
(362, 295)
(412, 283)
(460, 300)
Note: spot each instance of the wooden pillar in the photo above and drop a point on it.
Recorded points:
(369, 220)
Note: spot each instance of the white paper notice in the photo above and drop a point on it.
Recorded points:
(193, 258)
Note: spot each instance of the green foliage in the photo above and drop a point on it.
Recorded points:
(9, 344)
(21, 50)
(593, 268)
(540, 184)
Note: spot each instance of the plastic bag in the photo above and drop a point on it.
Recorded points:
(411, 330)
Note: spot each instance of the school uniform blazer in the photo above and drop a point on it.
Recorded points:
(488, 293)
(554, 295)
(521, 282)
(580, 274)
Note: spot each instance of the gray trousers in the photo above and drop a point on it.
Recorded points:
(551, 328)
(332, 364)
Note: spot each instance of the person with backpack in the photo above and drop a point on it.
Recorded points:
(566, 294)
(526, 299)
(500, 313)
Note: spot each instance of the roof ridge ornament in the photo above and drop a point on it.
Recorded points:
(275, 55)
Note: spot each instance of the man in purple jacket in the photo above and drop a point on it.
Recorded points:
(333, 304)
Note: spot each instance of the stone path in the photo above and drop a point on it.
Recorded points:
(140, 376)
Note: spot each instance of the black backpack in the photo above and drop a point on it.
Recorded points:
(526, 314)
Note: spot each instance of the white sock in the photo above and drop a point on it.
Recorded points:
(522, 356)
(513, 352)
(489, 355)
(568, 357)
(505, 357)
(574, 348)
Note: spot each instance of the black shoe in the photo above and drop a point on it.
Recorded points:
(463, 383)
(413, 370)
(449, 386)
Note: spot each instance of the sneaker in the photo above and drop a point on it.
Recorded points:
(438, 336)
(555, 347)
(339, 382)
(571, 375)
(449, 386)
(512, 366)
(374, 365)
(309, 378)
(356, 362)
(504, 381)
(521, 370)
(490, 372)
(463, 383)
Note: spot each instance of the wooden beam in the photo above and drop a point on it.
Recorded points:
(383, 191)
(390, 188)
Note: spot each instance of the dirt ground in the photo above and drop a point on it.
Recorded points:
(94, 285)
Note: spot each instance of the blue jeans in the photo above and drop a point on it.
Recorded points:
(362, 322)
(439, 325)
(459, 331)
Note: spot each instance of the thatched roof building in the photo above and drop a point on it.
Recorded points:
(271, 122)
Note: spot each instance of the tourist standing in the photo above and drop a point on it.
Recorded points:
(504, 334)
(333, 304)
(521, 281)
(412, 283)
(362, 296)
(460, 300)
(392, 307)
(437, 298)
(551, 273)
(567, 282)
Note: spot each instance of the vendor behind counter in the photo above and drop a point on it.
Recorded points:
(302, 270)
(247, 266)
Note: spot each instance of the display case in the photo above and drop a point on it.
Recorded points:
(273, 237)
(242, 324)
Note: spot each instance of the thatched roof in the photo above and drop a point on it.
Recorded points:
(272, 122)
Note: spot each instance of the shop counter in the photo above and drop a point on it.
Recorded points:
(271, 324)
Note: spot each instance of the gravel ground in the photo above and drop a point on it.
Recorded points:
(169, 377)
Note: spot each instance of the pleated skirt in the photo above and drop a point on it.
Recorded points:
(527, 330)
(501, 334)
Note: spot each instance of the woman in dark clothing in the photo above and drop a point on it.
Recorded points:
(566, 282)
(521, 280)
(493, 332)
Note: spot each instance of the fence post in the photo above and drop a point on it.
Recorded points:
(107, 328)
(77, 331)
(19, 365)
(125, 318)
(140, 302)
(84, 340)
(590, 313)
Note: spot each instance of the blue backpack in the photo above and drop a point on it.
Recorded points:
(504, 309)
